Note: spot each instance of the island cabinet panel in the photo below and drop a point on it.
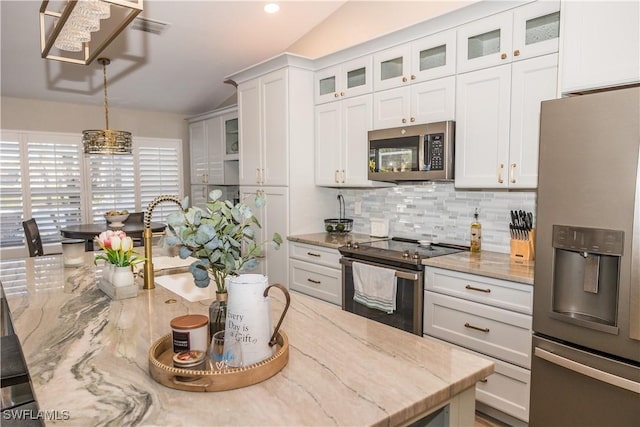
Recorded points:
(600, 45)
(316, 271)
(490, 317)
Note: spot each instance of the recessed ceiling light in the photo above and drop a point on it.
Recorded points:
(271, 7)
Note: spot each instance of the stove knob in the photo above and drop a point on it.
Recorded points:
(356, 245)
(349, 245)
(405, 254)
(415, 255)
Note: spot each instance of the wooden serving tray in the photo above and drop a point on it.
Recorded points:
(161, 369)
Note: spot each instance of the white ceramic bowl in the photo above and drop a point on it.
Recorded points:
(116, 220)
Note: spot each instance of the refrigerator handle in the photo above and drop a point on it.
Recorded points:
(594, 373)
(634, 297)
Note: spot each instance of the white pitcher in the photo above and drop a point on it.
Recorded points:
(248, 324)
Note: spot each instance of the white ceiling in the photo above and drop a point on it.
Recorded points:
(180, 71)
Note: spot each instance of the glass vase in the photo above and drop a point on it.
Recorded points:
(218, 313)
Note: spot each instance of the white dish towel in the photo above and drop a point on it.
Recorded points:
(375, 287)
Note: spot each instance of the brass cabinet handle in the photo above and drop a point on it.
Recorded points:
(404, 79)
(472, 288)
(484, 380)
(500, 169)
(335, 95)
(413, 77)
(503, 56)
(316, 282)
(313, 254)
(477, 328)
(516, 52)
(341, 93)
(412, 119)
(404, 120)
(512, 169)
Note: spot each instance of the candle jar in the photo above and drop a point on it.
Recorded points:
(190, 332)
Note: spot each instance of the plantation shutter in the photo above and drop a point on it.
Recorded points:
(112, 185)
(11, 232)
(54, 183)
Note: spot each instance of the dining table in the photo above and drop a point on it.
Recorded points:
(87, 232)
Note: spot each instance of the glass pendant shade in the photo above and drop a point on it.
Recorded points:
(106, 141)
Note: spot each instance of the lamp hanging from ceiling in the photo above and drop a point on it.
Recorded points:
(106, 141)
(84, 28)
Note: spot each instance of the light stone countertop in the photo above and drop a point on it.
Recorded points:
(490, 264)
(88, 355)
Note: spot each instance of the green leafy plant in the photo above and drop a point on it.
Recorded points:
(221, 237)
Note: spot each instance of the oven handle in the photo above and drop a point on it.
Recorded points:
(399, 273)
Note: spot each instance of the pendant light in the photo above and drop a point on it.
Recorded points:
(106, 141)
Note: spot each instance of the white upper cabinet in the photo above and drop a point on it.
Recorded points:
(349, 79)
(600, 44)
(341, 151)
(208, 138)
(527, 31)
(426, 102)
(497, 123)
(263, 114)
(199, 152)
(428, 58)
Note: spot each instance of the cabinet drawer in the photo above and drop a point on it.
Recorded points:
(493, 331)
(316, 254)
(506, 390)
(316, 281)
(500, 293)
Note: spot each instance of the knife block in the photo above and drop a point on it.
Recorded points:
(524, 250)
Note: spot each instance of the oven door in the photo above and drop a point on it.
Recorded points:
(409, 303)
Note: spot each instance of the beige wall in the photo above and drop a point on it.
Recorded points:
(44, 116)
(358, 21)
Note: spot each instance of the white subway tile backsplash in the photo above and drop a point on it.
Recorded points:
(439, 212)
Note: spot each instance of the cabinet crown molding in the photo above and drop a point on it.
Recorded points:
(277, 62)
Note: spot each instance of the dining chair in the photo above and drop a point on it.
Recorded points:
(137, 217)
(32, 233)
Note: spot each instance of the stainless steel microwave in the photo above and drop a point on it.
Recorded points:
(412, 153)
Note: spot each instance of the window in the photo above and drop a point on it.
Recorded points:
(11, 203)
(46, 176)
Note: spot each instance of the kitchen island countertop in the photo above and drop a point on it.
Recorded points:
(88, 359)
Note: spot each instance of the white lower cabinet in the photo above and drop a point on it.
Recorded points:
(315, 271)
(492, 318)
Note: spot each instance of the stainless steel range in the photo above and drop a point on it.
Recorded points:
(402, 256)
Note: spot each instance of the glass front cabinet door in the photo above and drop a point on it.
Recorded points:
(231, 136)
(428, 58)
(525, 32)
(345, 80)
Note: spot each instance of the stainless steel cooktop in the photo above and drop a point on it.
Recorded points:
(398, 251)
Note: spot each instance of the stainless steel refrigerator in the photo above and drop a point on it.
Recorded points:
(586, 310)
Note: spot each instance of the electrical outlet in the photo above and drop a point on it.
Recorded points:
(357, 208)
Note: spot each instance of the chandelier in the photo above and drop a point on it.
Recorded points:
(106, 141)
(84, 28)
